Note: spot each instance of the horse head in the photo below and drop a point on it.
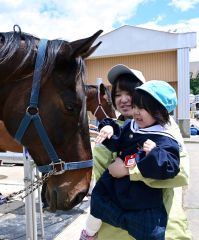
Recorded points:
(99, 101)
(61, 109)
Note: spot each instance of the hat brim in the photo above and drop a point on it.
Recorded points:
(122, 69)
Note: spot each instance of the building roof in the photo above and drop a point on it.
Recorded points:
(128, 40)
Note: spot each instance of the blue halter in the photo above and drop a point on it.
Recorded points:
(32, 114)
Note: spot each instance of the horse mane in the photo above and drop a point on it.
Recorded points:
(10, 42)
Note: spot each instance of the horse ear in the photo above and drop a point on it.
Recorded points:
(102, 89)
(82, 47)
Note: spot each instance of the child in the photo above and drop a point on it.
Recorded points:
(142, 143)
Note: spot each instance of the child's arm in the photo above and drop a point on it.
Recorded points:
(182, 178)
(109, 134)
(161, 162)
(117, 169)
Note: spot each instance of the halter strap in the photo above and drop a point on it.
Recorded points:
(99, 103)
(32, 114)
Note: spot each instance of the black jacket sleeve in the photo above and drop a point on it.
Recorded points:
(160, 163)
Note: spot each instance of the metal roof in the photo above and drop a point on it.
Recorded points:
(135, 40)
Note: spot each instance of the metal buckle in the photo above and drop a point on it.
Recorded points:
(58, 167)
(32, 110)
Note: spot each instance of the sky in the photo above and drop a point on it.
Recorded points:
(76, 19)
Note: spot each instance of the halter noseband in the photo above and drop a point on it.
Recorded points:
(99, 103)
(32, 114)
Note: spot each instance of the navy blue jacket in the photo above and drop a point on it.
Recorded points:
(161, 163)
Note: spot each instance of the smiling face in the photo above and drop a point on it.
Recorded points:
(123, 103)
(143, 118)
(122, 92)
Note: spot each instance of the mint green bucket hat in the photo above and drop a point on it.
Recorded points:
(163, 92)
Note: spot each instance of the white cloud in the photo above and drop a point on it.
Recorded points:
(183, 26)
(65, 18)
(76, 19)
(184, 5)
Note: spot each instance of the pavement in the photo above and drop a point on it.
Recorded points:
(13, 220)
(191, 193)
(191, 201)
(62, 225)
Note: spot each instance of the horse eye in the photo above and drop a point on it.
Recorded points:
(69, 108)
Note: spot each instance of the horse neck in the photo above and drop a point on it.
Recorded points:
(91, 99)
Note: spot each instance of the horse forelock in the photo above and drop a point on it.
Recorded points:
(53, 48)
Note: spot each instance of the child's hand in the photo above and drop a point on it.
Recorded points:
(148, 145)
(105, 132)
(93, 133)
(117, 169)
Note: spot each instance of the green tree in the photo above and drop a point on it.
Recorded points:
(194, 85)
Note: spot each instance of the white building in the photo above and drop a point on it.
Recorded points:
(158, 54)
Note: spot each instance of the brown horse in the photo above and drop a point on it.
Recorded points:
(98, 100)
(51, 119)
(7, 142)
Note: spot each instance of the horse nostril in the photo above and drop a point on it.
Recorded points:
(80, 196)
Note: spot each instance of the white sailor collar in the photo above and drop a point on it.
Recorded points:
(155, 129)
